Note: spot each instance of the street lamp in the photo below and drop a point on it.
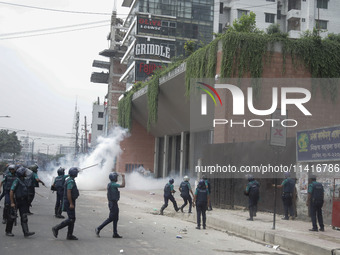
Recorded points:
(48, 147)
(5, 116)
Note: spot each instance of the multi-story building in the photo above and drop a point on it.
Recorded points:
(158, 30)
(98, 122)
(293, 16)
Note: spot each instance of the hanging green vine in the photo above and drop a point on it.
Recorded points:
(246, 54)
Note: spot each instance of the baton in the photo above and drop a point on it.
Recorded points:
(88, 167)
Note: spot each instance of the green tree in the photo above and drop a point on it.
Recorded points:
(189, 47)
(9, 142)
(245, 24)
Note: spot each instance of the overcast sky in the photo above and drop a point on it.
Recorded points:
(42, 77)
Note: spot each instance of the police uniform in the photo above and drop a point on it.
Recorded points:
(316, 204)
(288, 185)
(168, 196)
(32, 182)
(252, 190)
(113, 196)
(20, 190)
(70, 184)
(201, 205)
(185, 188)
(59, 183)
(7, 182)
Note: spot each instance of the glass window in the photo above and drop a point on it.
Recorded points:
(269, 18)
(321, 24)
(99, 127)
(221, 8)
(323, 4)
(241, 12)
(100, 114)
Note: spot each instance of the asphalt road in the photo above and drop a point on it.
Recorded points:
(143, 231)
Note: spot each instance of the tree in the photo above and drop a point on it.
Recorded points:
(9, 142)
(245, 24)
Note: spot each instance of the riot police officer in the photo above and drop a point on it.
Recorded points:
(315, 202)
(6, 183)
(71, 193)
(58, 186)
(185, 188)
(288, 186)
(201, 201)
(113, 196)
(253, 192)
(168, 191)
(33, 182)
(208, 185)
(19, 199)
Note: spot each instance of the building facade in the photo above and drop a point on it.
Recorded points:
(293, 16)
(157, 31)
(98, 122)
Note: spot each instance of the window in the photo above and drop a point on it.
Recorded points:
(220, 28)
(303, 20)
(270, 18)
(99, 127)
(100, 114)
(241, 12)
(323, 4)
(221, 8)
(321, 24)
(270, 0)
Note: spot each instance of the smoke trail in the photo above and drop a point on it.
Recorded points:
(104, 155)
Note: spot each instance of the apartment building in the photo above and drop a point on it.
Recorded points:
(293, 16)
(158, 30)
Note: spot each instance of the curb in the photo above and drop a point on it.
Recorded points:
(267, 237)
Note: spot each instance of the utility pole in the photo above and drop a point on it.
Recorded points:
(85, 144)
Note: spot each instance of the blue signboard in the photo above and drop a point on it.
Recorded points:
(321, 144)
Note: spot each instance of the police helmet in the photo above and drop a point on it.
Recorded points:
(34, 168)
(171, 181)
(21, 171)
(61, 171)
(287, 174)
(204, 177)
(250, 177)
(73, 171)
(201, 184)
(113, 176)
(11, 167)
(186, 178)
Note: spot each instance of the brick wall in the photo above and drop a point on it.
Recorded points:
(138, 148)
(324, 111)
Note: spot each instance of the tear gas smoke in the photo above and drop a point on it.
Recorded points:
(104, 155)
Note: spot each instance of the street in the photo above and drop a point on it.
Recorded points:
(143, 231)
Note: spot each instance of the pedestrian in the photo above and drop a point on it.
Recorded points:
(168, 191)
(288, 186)
(71, 193)
(6, 185)
(113, 196)
(315, 202)
(19, 201)
(207, 183)
(253, 193)
(33, 182)
(201, 201)
(185, 188)
(58, 186)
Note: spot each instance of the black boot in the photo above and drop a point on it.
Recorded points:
(70, 235)
(59, 226)
(25, 229)
(9, 227)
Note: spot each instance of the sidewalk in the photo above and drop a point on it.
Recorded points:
(291, 235)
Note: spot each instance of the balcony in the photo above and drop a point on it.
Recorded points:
(100, 77)
(101, 64)
(294, 14)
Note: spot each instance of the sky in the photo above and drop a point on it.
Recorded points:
(42, 78)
